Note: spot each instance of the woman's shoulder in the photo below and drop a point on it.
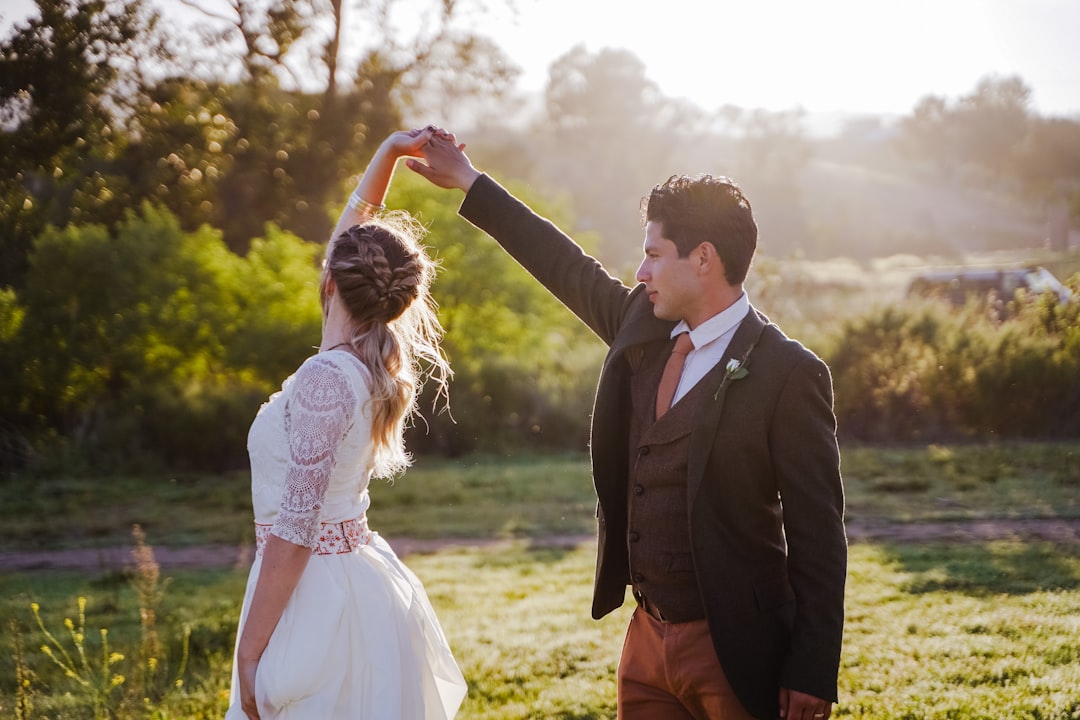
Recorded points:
(336, 371)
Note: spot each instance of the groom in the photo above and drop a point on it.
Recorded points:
(714, 457)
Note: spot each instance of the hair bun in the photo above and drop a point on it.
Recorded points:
(378, 275)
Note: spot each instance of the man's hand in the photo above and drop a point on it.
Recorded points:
(447, 164)
(410, 143)
(795, 705)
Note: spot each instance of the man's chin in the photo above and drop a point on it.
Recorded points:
(660, 314)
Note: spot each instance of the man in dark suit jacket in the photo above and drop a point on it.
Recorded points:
(721, 508)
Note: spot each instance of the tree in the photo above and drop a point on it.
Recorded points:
(769, 154)
(297, 142)
(983, 128)
(609, 135)
(993, 130)
(1048, 166)
(65, 82)
(524, 367)
(993, 121)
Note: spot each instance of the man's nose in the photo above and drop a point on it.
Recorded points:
(640, 275)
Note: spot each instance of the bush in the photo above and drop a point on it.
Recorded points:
(136, 347)
(924, 372)
(149, 347)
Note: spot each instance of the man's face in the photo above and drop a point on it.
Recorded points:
(671, 282)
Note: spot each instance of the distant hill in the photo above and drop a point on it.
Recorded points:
(863, 212)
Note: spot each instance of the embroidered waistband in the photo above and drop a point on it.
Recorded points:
(333, 538)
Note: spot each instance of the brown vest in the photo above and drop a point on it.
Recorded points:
(658, 526)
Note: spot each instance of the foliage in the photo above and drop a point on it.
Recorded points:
(152, 345)
(64, 89)
(524, 367)
(95, 674)
(924, 372)
(983, 128)
(159, 325)
(133, 345)
(93, 678)
(296, 123)
(91, 135)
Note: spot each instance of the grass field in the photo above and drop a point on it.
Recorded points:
(937, 631)
(483, 497)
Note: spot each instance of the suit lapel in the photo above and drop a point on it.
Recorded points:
(712, 404)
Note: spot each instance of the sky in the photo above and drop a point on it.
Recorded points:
(875, 56)
(850, 56)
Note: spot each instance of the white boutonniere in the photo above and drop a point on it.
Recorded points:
(734, 370)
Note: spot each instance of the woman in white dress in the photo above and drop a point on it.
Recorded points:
(333, 624)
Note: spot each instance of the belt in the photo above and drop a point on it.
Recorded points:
(332, 539)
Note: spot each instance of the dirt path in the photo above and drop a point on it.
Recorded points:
(105, 559)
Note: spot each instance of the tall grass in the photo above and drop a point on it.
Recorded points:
(92, 674)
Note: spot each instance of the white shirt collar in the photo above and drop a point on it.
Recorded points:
(716, 326)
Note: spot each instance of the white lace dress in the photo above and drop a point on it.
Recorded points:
(358, 638)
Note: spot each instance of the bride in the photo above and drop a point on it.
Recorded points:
(333, 624)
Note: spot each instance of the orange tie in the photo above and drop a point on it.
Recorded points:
(669, 381)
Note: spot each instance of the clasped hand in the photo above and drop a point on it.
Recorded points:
(410, 143)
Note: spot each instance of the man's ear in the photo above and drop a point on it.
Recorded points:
(706, 260)
(703, 256)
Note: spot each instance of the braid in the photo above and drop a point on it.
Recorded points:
(381, 272)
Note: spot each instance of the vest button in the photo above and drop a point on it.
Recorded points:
(638, 578)
(645, 450)
(639, 490)
(634, 536)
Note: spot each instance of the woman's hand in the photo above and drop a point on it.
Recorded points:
(409, 143)
(245, 670)
(371, 190)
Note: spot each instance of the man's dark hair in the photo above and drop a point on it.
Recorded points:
(705, 208)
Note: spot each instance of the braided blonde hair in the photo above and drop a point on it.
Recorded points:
(383, 277)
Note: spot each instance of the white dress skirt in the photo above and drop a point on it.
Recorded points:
(358, 637)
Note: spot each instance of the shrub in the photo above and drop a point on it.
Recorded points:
(924, 372)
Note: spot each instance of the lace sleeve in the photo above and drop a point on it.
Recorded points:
(317, 416)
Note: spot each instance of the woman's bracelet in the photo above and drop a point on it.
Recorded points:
(362, 206)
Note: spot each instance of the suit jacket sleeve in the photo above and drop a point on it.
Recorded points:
(575, 278)
(803, 436)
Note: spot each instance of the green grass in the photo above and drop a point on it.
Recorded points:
(962, 482)
(472, 497)
(485, 497)
(48, 513)
(933, 632)
(984, 631)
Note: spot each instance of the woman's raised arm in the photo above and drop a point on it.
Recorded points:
(370, 192)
